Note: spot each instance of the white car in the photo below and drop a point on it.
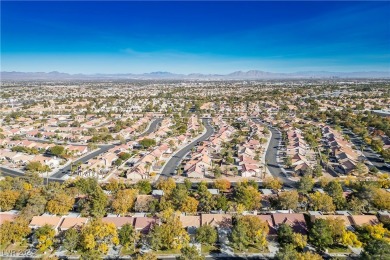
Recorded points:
(387, 165)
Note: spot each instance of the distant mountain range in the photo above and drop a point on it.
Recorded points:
(159, 75)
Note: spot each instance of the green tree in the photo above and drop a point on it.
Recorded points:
(288, 161)
(71, 239)
(288, 200)
(187, 184)
(376, 249)
(146, 142)
(127, 236)
(57, 150)
(124, 156)
(317, 171)
(179, 196)
(190, 253)
(144, 187)
(287, 252)
(321, 234)
(37, 167)
(249, 231)
(206, 234)
(285, 234)
(305, 184)
(247, 195)
(221, 203)
(335, 190)
(206, 201)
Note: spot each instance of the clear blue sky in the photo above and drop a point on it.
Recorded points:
(186, 37)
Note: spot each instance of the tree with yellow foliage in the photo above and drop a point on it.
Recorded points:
(60, 204)
(381, 199)
(349, 238)
(288, 200)
(147, 256)
(383, 180)
(377, 231)
(8, 199)
(309, 256)
(167, 185)
(13, 232)
(323, 181)
(247, 195)
(190, 205)
(322, 202)
(249, 231)
(272, 183)
(299, 240)
(45, 236)
(97, 235)
(170, 234)
(124, 201)
(337, 228)
(222, 184)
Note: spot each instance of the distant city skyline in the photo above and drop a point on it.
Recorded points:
(194, 37)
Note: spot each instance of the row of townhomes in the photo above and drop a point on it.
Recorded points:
(222, 221)
(340, 150)
(297, 149)
(250, 151)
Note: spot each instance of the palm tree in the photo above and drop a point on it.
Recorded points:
(148, 166)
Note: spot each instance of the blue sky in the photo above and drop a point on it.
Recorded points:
(186, 37)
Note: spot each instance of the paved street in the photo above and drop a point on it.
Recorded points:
(271, 157)
(152, 127)
(171, 165)
(371, 156)
(63, 171)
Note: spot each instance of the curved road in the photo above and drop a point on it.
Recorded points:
(175, 160)
(63, 171)
(271, 156)
(152, 127)
(371, 156)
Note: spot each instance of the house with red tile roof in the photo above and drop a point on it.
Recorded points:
(72, 222)
(145, 224)
(119, 222)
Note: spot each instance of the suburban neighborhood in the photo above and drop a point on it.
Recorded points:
(183, 170)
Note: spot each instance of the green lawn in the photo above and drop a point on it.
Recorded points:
(128, 251)
(207, 249)
(167, 252)
(251, 250)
